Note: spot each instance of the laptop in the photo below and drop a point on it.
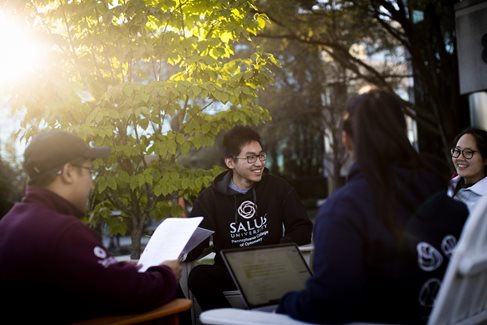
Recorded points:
(264, 274)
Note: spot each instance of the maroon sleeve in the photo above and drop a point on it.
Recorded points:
(82, 263)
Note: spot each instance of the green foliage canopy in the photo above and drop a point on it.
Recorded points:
(153, 79)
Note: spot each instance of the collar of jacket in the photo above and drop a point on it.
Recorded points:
(221, 182)
(50, 199)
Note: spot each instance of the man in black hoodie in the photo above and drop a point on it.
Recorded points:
(245, 206)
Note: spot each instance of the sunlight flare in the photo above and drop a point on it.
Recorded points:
(21, 53)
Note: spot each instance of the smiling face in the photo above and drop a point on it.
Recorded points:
(471, 170)
(246, 174)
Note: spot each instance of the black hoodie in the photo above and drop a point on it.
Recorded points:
(269, 213)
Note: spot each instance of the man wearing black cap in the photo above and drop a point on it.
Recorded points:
(53, 268)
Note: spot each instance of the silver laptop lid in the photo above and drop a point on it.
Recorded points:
(264, 274)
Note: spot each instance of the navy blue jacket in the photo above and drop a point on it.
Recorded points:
(55, 270)
(362, 272)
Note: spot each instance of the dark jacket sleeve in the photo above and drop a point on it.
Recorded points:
(83, 265)
(338, 274)
(298, 227)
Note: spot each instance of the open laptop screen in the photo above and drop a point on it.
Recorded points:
(264, 274)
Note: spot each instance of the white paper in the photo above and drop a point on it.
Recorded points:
(168, 241)
(199, 235)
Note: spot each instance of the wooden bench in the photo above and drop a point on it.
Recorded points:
(167, 314)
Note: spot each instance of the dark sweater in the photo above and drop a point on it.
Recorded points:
(269, 213)
(54, 269)
(361, 271)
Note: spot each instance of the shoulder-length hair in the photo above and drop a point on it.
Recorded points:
(376, 123)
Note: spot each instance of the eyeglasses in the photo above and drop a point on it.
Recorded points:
(466, 153)
(253, 158)
(93, 173)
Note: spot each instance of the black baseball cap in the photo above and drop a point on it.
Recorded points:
(50, 150)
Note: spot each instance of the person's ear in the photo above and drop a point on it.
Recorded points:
(67, 173)
(347, 141)
(230, 163)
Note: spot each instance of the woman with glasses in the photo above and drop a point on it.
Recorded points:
(469, 157)
(382, 242)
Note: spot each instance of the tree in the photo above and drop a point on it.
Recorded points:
(426, 29)
(294, 101)
(10, 191)
(153, 79)
(307, 100)
(415, 40)
(11, 178)
(306, 104)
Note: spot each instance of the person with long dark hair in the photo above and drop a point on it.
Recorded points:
(382, 242)
(469, 157)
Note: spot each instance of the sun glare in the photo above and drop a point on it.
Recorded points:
(20, 51)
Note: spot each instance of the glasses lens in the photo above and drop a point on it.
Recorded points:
(467, 153)
(455, 152)
(251, 159)
(262, 156)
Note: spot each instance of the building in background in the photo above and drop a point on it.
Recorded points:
(471, 27)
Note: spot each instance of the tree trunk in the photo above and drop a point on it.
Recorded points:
(136, 236)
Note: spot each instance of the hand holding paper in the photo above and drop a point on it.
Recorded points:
(172, 239)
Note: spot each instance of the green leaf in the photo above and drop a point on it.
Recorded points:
(226, 36)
